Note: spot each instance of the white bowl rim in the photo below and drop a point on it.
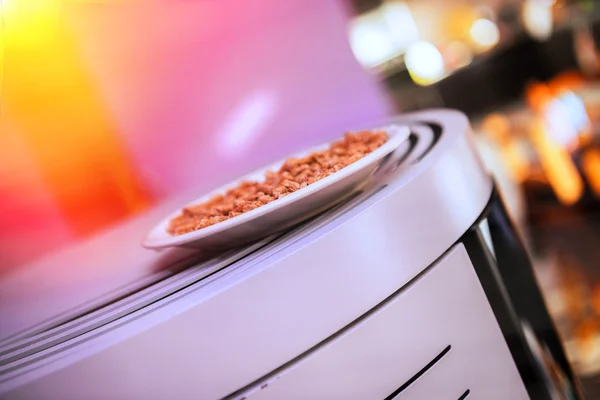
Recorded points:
(158, 237)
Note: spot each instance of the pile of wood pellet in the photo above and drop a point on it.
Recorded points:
(293, 175)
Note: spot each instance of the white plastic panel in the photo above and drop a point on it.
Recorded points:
(242, 322)
(442, 319)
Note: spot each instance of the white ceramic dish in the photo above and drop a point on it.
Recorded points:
(284, 212)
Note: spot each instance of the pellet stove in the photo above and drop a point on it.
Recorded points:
(417, 287)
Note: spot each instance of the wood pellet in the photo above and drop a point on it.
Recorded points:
(294, 174)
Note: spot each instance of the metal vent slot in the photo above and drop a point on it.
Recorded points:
(406, 150)
(421, 141)
(421, 372)
(61, 318)
(15, 368)
(174, 270)
(163, 277)
(436, 133)
(120, 306)
(413, 140)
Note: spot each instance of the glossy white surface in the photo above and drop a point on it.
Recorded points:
(282, 213)
(230, 329)
(81, 277)
(371, 359)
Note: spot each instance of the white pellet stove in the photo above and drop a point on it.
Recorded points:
(417, 287)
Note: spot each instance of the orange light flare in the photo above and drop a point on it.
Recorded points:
(558, 166)
(591, 169)
(52, 104)
(555, 158)
(537, 96)
(499, 128)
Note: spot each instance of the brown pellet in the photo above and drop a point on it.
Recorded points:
(294, 174)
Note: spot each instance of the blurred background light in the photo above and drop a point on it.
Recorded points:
(382, 34)
(424, 63)
(537, 18)
(457, 55)
(484, 33)
(561, 173)
(400, 24)
(370, 42)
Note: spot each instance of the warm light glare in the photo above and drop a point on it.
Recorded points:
(458, 55)
(27, 8)
(424, 63)
(591, 169)
(485, 33)
(26, 23)
(537, 18)
(498, 128)
(400, 23)
(370, 43)
(53, 105)
(382, 34)
(558, 167)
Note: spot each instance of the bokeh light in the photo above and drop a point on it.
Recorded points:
(537, 18)
(424, 63)
(485, 33)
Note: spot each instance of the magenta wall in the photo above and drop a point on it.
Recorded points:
(205, 90)
(198, 92)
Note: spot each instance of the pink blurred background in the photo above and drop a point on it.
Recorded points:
(111, 107)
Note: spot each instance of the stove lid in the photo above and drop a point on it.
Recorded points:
(112, 274)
